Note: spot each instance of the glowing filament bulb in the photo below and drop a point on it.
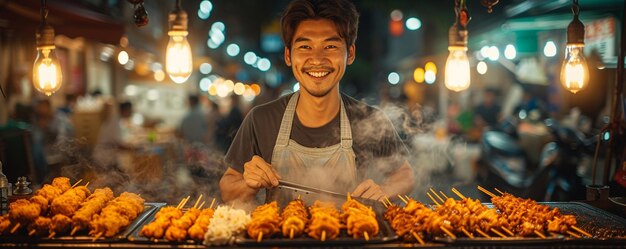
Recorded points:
(47, 74)
(179, 64)
(574, 72)
(457, 77)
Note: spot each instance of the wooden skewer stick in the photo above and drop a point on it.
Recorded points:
(384, 204)
(348, 197)
(482, 233)
(366, 236)
(186, 200)
(17, 226)
(323, 238)
(418, 238)
(467, 233)
(76, 183)
(408, 198)
(573, 234)
(445, 230)
(298, 196)
(32, 232)
(52, 234)
(457, 192)
(197, 201)
(260, 237)
(180, 203)
(387, 200)
(498, 233)
(291, 233)
(87, 184)
(97, 237)
(582, 231)
(212, 202)
(436, 195)
(74, 230)
(201, 205)
(487, 192)
(501, 193)
(508, 231)
(539, 234)
(403, 200)
(431, 197)
(443, 194)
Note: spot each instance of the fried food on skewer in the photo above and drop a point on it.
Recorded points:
(265, 221)
(92, 206)
(294, 219)
(527, 216)
(325, 221)
(117, 215)
(5, 224)
(360, 220)
(40, 227)
(70, 201)
(60, 224)
(162, 220)
(199, 228)
(177, 231)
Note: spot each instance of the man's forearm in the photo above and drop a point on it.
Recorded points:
(234, 188)
(400, 181)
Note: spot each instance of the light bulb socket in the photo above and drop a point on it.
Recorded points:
(178, 20)
(457, 36)
(575, 32)
(45, 36)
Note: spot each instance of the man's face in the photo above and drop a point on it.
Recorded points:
(318, 56)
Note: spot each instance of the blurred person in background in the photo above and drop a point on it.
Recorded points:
(194, 127)
(487, 113)
(114, 136)
(228, 125)
(318, 136)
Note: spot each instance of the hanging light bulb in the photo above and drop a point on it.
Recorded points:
(47, 76)
(574, 72)
(178, 59)
(457, 72)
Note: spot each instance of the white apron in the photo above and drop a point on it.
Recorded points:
(331, 168)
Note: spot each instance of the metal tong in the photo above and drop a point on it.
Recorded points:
(308, 190)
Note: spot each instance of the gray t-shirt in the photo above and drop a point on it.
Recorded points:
(378, 148)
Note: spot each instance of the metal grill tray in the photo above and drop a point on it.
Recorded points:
(385, 234)
(22, 237)
(604, 226)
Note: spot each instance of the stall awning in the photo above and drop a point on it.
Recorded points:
(67, 18)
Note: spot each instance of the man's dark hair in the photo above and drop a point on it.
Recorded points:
(341, 12)
(193, 100)
(125, 106)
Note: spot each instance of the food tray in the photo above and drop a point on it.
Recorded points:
(604, 226)
(385, 234)
(149, 208)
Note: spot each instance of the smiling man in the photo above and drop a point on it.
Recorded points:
(317, 137)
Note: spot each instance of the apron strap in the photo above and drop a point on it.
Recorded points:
(286, 123)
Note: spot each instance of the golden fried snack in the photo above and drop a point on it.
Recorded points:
(92, 205)
(265, 221)
(199, 228)
(117, 215)
(294, 219)
(360, 220)
(324, 223)
(162, 220)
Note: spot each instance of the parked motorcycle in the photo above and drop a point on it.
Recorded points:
(554, 177)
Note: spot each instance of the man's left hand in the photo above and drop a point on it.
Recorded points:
(369, 189)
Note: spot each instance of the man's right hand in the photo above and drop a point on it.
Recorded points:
(258, 173)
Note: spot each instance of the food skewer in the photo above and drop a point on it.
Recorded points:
(76, 183)
(581, 231)
(418, 238)
(436, 195)
(435, 201)
(403, 200)
(197, 201)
